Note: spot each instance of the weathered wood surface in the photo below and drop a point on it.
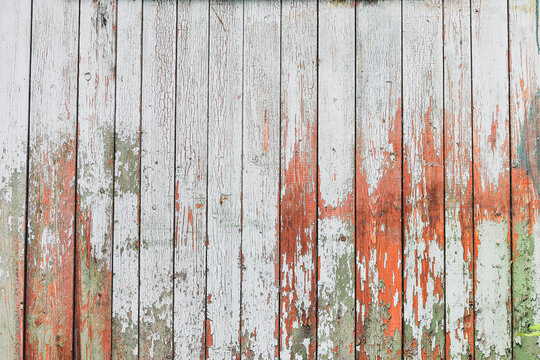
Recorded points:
(157, 180)
(52, 182)
(191, 167)
(378, 180)
(491, 174)
(525, 166)
(423, 180)
(262, 180)
(336, 154)
(298, 198)
(125, 266)
(15, 27)
(224, 180)
(260, 185)
(459, 270)
(95, 172)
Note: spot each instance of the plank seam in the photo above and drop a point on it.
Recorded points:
(140, 187)
(25, 275)
(444, 178)
(278, 273)
(355, 350)
(242, 190)
(114, 168)
(511, 219)
(402, 203)
(173, 342)
(473, 350)
(74, 297)
(316, 248)
(205, 325)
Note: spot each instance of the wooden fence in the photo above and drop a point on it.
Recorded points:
(269, 179)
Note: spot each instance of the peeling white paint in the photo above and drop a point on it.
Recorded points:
(125, 301)
(493, 282)
(157, 175)
(15, 23)
(458, 286)
(225, 177)
(260, 184)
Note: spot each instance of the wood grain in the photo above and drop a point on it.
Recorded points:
(260, 184)
(459, 268)
(52, 159)
(224, 180)
(298, 249)
(125, 297)
(157, 180)
(524, 115)
(378, 180)
(191, 177)
(95, 171)
(295, 179)
(15, 27)
(336, 134)
(491, 179)
(423, 180)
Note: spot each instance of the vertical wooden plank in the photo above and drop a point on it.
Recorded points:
(491, 179)
(53, 112)
(125, 297)
(525, 111)
(15, 23)
(458, 174)
(95, 155)
(157, 179)
(260, 187)
(298, 179)
(423, 179)
(378, 180)
(191, 177)
(336, 134)
(224, 180)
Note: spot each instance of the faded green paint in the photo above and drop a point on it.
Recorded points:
(12, 212)
(525, 292)
(375, 328)
(492, 296)
(94, 249)
(127, 166)
(525, 284)
(432, 337)
(529, 147)
(50, 248)
(125, 323)
(301, 339)
(96, 298)
(338, 302)
(155, 320)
